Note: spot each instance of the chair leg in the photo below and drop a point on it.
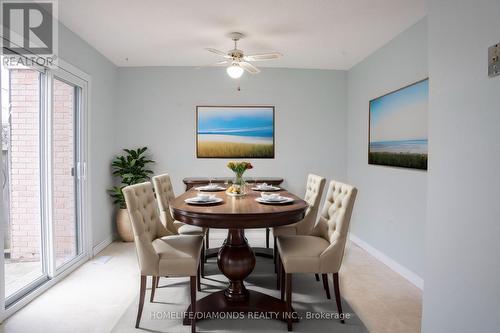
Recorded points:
(317, 276)
(193, 303)
(338, 299)
(275, 256)
(282, 281)
(277, 268)
(289, 300)
(267, 238)
(207, 239)
(158, 281)
(142, 293)
(202, 262)
(198, 279)
(326, 285)
(275, 261)
(153, 288)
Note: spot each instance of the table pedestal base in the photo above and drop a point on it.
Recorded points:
(236, 260)
(258, 304)
(263, 252)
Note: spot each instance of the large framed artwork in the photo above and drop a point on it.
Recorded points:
(398, 127)
(235, 131)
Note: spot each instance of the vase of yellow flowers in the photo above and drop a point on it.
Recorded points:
(239, 168)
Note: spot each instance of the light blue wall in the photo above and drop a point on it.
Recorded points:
(157, 109)
(78, 53)
(155, 106)
(390, 211)
(462, 286)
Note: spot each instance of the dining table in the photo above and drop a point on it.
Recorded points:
(236, 258)
(196, 182)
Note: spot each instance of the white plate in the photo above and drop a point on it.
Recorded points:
(194, 201)
(210, 189)
(274, 202)
(267, 189)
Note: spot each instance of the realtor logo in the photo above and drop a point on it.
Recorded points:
(29, 29)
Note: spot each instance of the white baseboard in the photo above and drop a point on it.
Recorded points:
(391, 263)
(102, 245)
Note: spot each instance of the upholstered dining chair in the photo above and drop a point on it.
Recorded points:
(165, 195)
(314, 191)
(322, 251)
(159, 251)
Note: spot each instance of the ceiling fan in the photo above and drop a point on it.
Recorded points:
(239, 62)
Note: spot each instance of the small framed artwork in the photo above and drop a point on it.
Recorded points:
(235, 131)
(398, 127)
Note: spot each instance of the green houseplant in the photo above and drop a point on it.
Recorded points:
(131, 169)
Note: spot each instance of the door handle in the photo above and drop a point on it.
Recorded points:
(4, 175)
(81, 170)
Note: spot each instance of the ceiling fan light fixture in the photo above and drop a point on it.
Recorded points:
(239, 62)
(234, 71)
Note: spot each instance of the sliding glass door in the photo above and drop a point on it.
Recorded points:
(21, 180)
(42, 175)
(65, 208)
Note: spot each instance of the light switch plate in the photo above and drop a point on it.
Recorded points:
(494, 60)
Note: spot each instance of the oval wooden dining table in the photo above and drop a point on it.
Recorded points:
(236, 259)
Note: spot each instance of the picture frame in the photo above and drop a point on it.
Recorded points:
(235, 131)
(397, 127)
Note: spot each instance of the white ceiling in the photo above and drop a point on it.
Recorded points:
(327, 34)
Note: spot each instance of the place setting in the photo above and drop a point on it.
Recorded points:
(212, 187)
(273, 199)
(266, 187)
(203, 199)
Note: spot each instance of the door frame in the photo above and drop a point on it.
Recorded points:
(80, 102)
(83, 174)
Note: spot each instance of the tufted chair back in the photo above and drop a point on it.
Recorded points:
(143, 213)
(165, 195)
(333, 223)
(314, 191)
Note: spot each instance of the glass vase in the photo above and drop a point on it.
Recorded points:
(239, 182)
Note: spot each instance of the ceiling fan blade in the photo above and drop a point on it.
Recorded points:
(223, 62)
(220, 53)
(219, 63)
(262, 56)
(249, 67)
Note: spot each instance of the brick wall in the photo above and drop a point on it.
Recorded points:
(25, 170)
(63, 154)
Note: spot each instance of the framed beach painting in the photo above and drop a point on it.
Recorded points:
(398, 127)
(235, 131)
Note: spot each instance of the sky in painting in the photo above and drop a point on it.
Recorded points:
(250, 122)
(401, 115)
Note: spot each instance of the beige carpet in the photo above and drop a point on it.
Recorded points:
(172, 299)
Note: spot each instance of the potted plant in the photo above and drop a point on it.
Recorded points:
(131, 168)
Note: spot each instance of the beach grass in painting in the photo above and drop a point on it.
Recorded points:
(398, 128)
(235, 132)
(231, 150)
(415, 161)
